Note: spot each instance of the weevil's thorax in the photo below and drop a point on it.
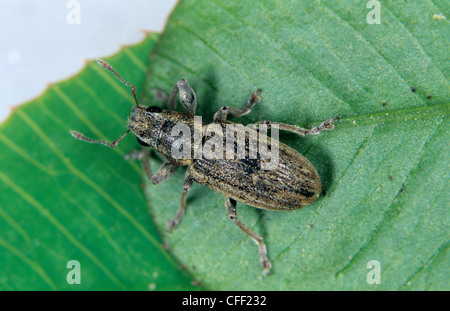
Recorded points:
(160, 129)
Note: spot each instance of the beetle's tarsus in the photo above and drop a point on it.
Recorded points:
(328, 124)
(221, 115)
(230, 205)
(266, 266)
(172, 224)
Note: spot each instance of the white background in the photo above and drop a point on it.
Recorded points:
(38, 46)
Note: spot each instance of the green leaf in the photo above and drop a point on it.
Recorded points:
(62, 199)
(384, 168)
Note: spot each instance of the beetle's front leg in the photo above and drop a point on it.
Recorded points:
(187, 96)
(186, 187)
(223, 112)
(165, 171)
(230, 204)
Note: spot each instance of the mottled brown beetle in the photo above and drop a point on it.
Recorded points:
(291, 185)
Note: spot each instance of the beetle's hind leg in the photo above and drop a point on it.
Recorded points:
(326, 125)
(223, 112)
(186, 187)
(230, 204)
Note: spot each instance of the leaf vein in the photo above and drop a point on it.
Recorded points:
(135, 60)
(394, 204)
(289, 54)
(25, 156)
(33, 265)
(416, 39)
(372, 47)
(27, 197)
(95, 187)
(429, 262)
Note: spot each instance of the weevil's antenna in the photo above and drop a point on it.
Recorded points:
(81, 137)
(107, 66)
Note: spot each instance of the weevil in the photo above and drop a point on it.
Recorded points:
(291, 184)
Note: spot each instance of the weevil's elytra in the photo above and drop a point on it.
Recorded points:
(290, 184)
(293, 184)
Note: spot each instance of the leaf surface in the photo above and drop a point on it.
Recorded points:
(384, 168)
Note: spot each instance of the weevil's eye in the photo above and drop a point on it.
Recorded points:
(141, 142)
(153, 109)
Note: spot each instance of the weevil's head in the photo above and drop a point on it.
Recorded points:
(145, 123)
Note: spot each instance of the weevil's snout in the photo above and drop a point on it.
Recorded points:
(144, 116)
(145, 123)
(136, 110)
(135, 117)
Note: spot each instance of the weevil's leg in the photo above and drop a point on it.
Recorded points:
(171, 102)
(81, 137)
(186, 187)
(145, 158)
(252, 101)
(165, 171)
(107, 66)
(187, 96)
(327, 125)
(230, 204)
(223, 112)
